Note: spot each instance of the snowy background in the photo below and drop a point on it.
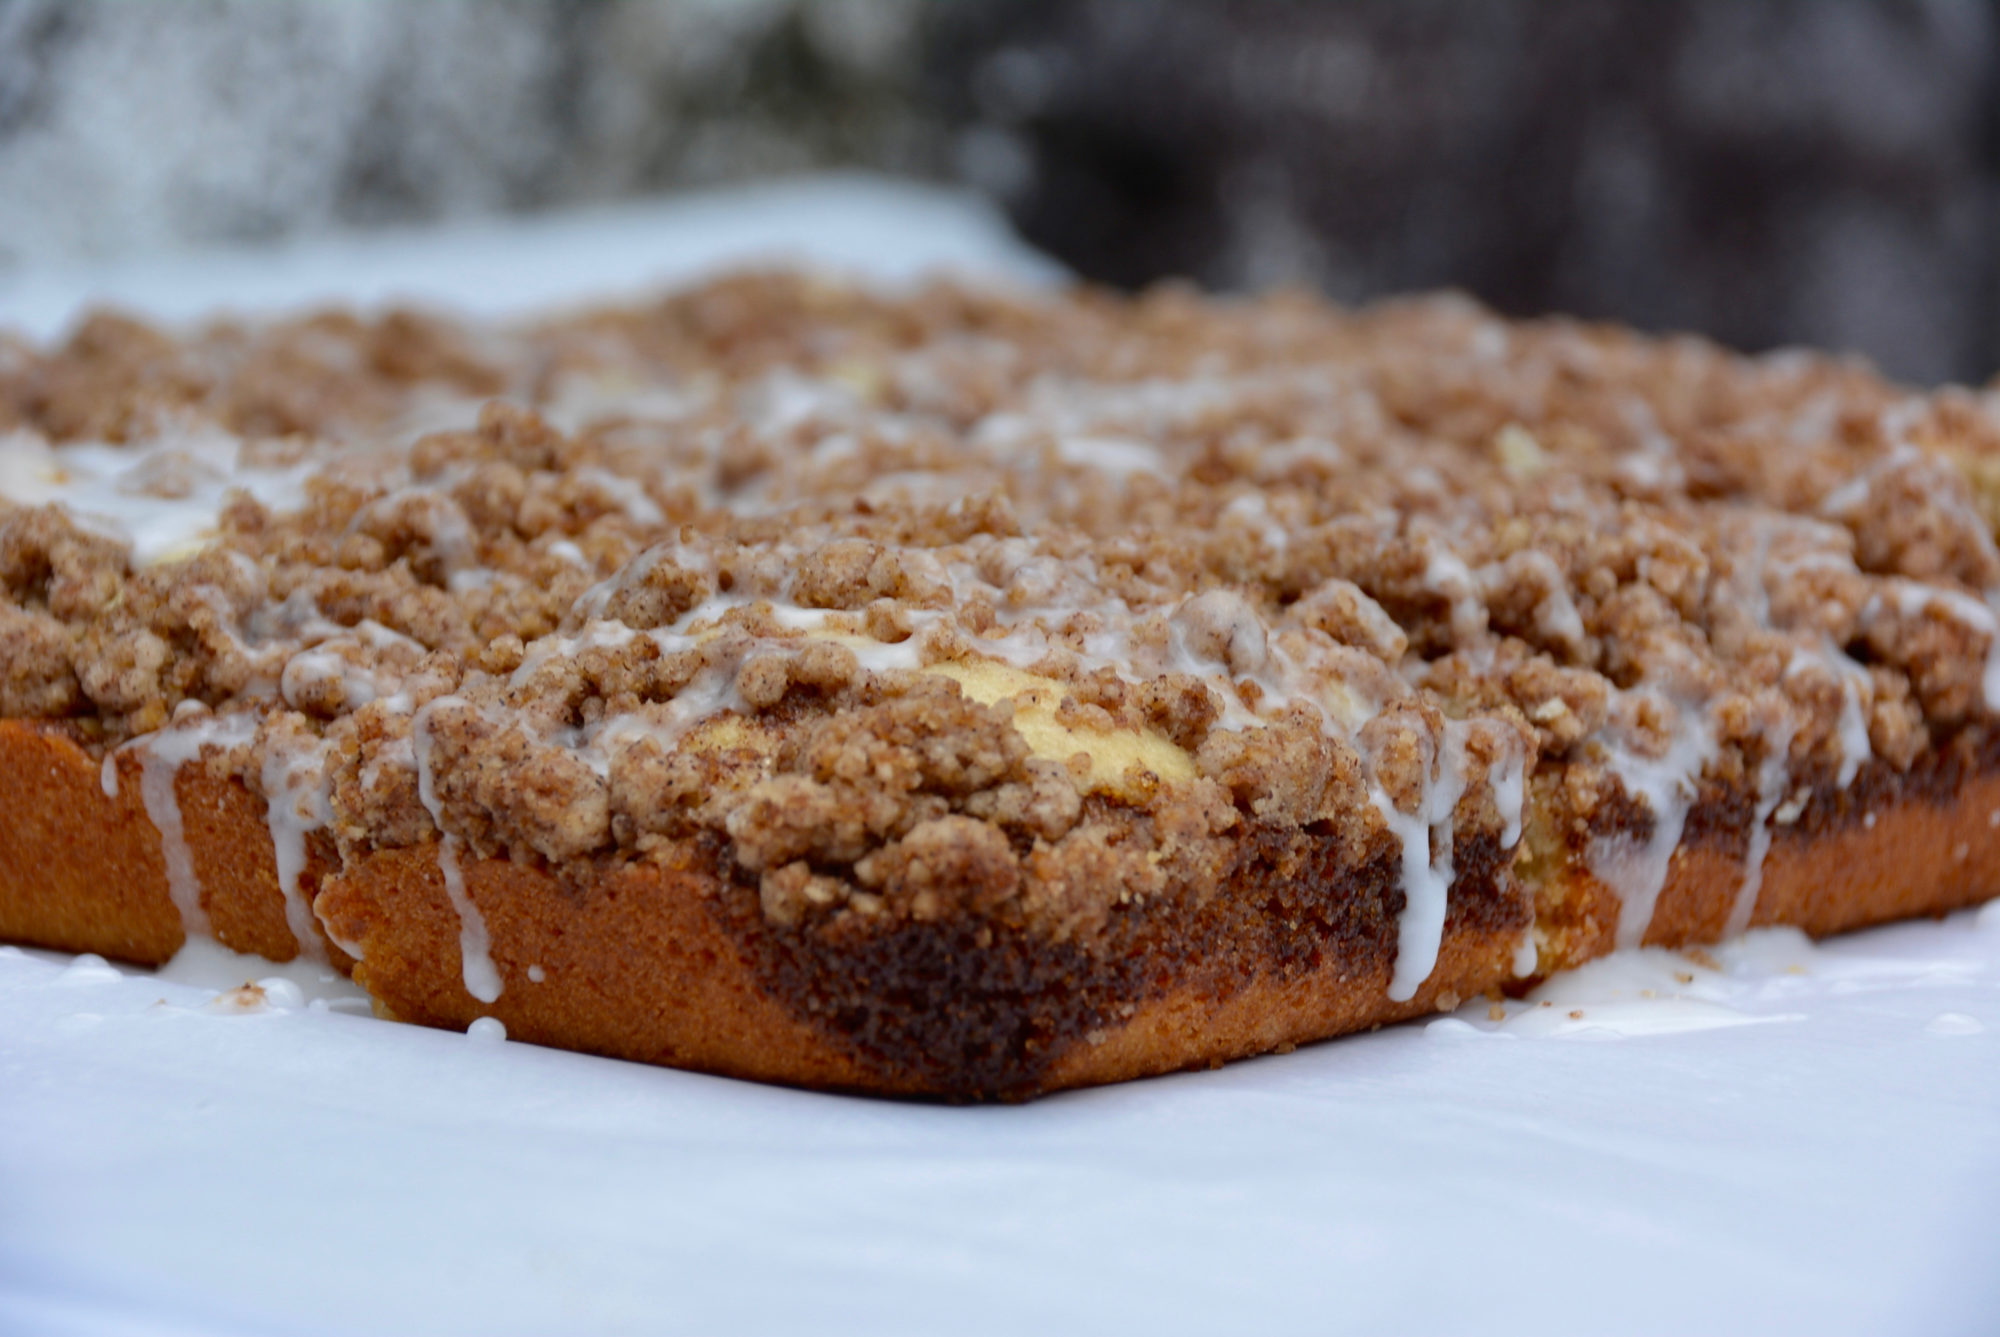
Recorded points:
(1794, 171)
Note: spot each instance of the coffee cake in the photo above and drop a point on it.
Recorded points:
(972, 694)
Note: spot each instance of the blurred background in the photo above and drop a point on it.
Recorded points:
(1823, 172)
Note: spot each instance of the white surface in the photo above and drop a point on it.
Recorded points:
(886, 229)
(167, 1165)
(1807, 1141)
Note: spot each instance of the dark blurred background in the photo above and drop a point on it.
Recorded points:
(1766, 171)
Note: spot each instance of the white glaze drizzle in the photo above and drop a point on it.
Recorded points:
(1510, 796)
(475, 947)
(161, 756)
(163, 808)
(296, 804)
(1856, 750)
(1446, 574)
(162, 495)
(1851, 728)
(1427, 839)
(1637, 869)
(1773, 777)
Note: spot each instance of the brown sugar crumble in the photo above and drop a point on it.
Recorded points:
(1012, 616)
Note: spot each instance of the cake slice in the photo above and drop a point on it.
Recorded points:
(971, 694)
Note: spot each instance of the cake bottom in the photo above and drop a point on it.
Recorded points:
(671, 961)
